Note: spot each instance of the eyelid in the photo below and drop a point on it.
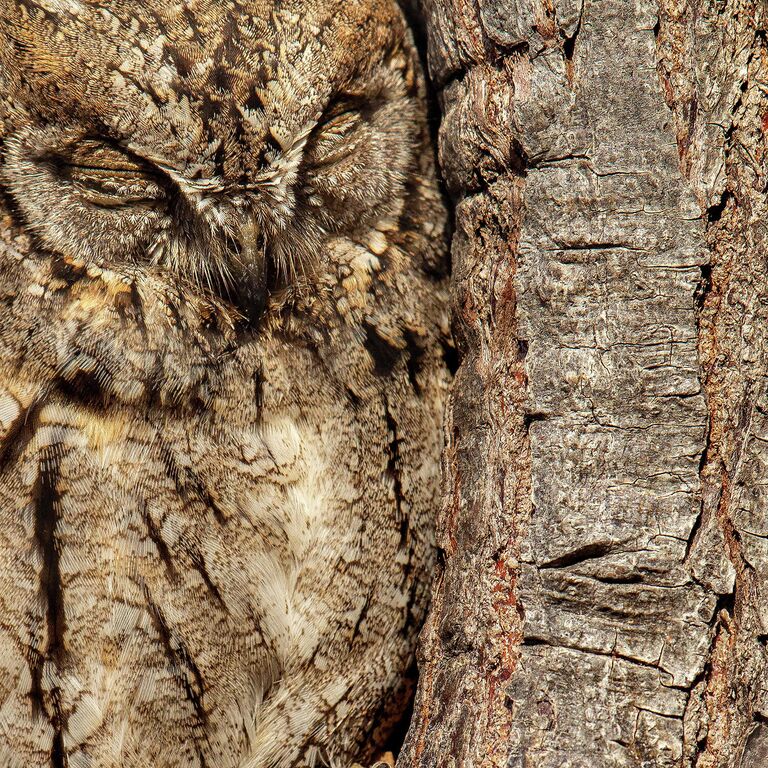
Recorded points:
(99, 154)
(126, 170)
(95, 158)
(341, 123)
(107, 175)
(342, 105)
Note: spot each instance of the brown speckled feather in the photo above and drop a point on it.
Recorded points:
(221, 380)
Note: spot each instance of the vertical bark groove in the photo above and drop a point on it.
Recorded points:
(712, 61)
(471, 645)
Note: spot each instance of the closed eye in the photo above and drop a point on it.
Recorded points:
(333, 138)
(107, 176)
(343, 113)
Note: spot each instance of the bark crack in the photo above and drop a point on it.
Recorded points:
(569, 48)
(533, 640)
(592, 551)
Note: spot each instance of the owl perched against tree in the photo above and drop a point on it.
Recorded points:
(221, 380)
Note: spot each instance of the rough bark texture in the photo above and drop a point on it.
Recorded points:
(603, 597)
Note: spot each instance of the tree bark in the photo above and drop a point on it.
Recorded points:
(602, 599)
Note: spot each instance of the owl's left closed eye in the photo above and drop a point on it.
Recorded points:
(106, 176)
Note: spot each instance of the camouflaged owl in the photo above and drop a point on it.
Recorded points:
(222, 319)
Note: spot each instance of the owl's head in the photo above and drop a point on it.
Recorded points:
(225, 143)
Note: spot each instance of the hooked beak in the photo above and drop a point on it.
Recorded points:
(250, 271)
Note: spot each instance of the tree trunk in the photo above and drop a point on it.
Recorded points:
(602, 596)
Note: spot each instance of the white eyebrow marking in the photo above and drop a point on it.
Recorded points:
(193, 188)
(281, 175)
(74, 7)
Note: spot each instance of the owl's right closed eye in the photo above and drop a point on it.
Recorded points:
(222, 320)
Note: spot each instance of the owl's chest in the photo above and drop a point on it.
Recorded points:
(142, 557)
(182, 496)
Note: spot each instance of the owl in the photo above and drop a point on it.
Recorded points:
(222, 370)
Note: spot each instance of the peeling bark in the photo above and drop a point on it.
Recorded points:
(602, 594)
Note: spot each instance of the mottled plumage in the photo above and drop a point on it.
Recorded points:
(221, 379)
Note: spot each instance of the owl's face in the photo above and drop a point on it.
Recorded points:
(222, 143)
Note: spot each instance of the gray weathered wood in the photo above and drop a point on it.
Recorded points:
(604, 528)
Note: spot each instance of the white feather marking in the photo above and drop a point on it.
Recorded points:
(10, 410)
